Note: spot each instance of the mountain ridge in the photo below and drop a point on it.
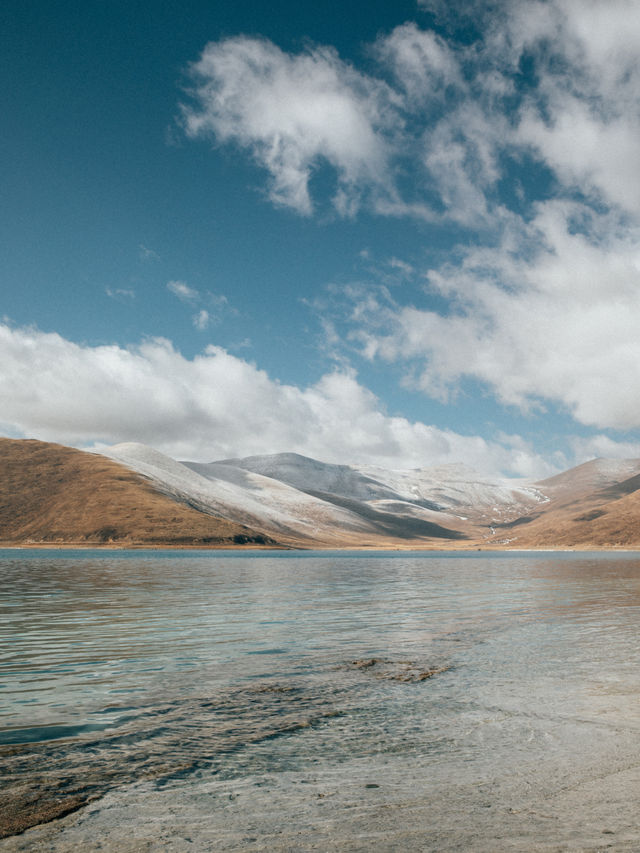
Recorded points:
(133, 495)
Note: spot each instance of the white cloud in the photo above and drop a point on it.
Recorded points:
(405, 269)
(201, 320)
(216, 406)
(598, 40)
(423, 63)
(120, 293)
(147, 254)
(438, 120)
(294, 112)
(460, 154)
(291, 113)
(587, 152)
(551, 314)
(550, 310)
(602, 446)
(217, 302)
(444, 112)
(182, 290)
(583, 119)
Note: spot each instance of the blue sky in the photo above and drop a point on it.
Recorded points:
(385, 232)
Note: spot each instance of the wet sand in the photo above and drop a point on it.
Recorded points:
(344, 810)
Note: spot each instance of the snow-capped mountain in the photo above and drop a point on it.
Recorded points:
(298, 498)
(232, 493)
(50, 494)
(450, 490)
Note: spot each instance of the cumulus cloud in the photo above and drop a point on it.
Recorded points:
(460, 155)
(292, 113)
(544, 307)
(603, 446)
(552, 314)
(454, 115)
(217, 405)
(423, 64)
(583, 118)
(588, 152)
(576, 110)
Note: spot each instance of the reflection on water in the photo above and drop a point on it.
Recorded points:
(442, 680)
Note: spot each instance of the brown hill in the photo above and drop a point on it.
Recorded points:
(590, 477)
(50, 494)
(596, 504)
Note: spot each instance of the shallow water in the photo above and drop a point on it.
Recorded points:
(298, 701)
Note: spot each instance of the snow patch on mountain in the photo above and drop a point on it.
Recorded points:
(454, 490)
(245, 497)
(308, 474)
(291, 495)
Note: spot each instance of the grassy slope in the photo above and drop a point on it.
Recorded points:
(58, 495)
(595, 521)
(583, 513)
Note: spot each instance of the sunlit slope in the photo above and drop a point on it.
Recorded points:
(596, 504)
(58, 495)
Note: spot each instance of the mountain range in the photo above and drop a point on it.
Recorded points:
(132, 495)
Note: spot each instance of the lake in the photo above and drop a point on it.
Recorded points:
(352, 701)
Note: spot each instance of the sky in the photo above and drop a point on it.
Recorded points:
(371, 231)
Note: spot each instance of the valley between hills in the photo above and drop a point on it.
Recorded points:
(130, 495)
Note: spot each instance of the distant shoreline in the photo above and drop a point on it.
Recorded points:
(414, 547)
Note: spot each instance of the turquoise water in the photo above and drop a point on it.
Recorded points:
(472, 692)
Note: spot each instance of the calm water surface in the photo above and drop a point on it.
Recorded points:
(360, 701)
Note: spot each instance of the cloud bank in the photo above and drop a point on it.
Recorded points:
(218, 406)
(551, 314)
